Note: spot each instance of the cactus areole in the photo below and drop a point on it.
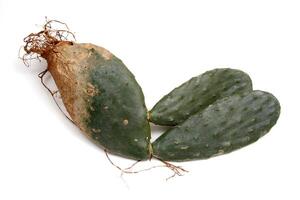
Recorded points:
(212, 114)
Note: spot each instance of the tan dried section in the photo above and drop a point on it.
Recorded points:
(105, 53)
(69, 67)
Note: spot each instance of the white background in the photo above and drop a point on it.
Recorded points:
(164, 43)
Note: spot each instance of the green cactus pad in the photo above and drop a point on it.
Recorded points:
(228, 124)
(117, 115)
(198, 93)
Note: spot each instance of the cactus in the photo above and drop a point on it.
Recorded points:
(215, 113)
(228, 124)
(198, 93)
(102, 97)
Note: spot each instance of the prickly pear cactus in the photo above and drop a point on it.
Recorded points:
(226, 125)
(102, 97)
(217, 112)
(198, 93)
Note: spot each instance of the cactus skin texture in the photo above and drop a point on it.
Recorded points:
(118, 110)
(102, 97)
(228, 124)
(198, 93)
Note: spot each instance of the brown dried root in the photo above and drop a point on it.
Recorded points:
(41, 76)
(177, 170)
(43, 42)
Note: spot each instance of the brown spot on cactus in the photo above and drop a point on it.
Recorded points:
(125, 122)
(96, 130)
(91, 90)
